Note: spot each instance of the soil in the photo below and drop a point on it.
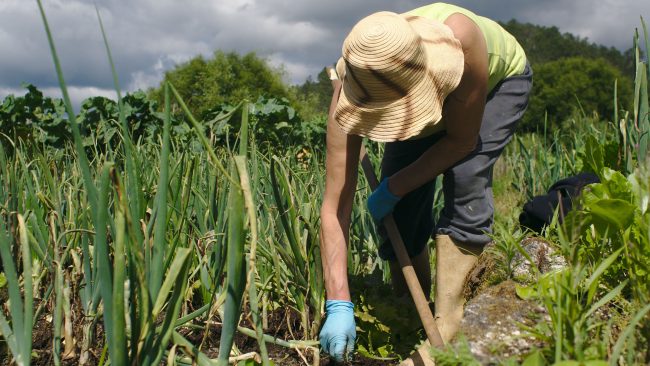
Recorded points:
(279, 323)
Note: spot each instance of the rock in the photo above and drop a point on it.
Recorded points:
(493, 318)
(481, 275)
(492, 324)
(544, 256)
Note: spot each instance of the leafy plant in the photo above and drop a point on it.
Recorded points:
(274, 122)
(34, 117)
(634, 129)
(569, 296)
(459, 354)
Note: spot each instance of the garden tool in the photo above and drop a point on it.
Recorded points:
(421, 303)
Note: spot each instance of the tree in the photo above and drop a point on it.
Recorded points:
(315, 95)
(563, 85)
(543, 44)
(226, 78)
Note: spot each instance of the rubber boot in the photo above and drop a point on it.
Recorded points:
(454, 261)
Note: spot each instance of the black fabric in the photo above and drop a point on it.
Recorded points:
(539, 211)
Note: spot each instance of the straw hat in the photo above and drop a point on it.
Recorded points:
(397, 71)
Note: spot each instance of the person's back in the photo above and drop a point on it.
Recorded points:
(506, 57)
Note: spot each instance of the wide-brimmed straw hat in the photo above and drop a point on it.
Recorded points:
(397, 71)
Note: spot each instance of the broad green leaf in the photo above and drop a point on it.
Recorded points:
(534, 359)
(567, 363)
(617, 185)
(614, 212)
(526, 292)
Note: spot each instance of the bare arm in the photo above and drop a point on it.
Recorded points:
(340, 184)
(462, 113)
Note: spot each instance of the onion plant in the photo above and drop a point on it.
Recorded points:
(18, 333)
(164, 240)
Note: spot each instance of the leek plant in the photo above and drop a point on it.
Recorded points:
(148, 294)
(163, 240)
(634, 129)
(18, 333)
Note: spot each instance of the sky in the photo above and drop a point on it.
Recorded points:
(148, 37)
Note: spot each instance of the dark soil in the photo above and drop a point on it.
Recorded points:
(279, 323)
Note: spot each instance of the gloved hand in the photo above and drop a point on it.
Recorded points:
(339, 331)
(382, 202)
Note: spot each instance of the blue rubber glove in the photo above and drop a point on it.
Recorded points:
(382, 202)
(339, 331)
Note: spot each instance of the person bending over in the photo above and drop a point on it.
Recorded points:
(443, 88)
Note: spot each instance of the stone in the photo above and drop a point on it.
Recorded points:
(492, 324)
(544, 257)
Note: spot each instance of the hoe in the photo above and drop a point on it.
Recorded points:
(415, 289)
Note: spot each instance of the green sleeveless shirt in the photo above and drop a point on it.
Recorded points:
(505, 55)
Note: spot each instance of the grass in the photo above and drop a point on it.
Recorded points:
(150, 251)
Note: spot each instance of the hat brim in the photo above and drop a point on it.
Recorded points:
(421, 106)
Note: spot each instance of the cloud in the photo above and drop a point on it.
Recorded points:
(148, 37)
(607, 22)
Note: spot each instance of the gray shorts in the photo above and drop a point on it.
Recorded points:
(467, 186)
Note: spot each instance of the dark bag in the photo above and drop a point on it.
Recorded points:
(538, 212)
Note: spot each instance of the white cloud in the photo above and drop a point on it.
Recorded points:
(607, 22)
(148, 37)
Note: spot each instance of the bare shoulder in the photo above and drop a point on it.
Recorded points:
(466, 31)
(475, 74)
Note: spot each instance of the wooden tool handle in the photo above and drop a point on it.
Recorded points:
(404, 260)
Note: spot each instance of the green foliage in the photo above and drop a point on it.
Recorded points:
(544, 44)
(610, 221)
(543, 159)
(99, 117)
(457, 355)
(156, 270)
(506, 246)
(34, 117)
(576, 330)
(315, 95)
(387, 327)
(613, 216)
(605, 240)
(634, 128)
(18, 333)
(615, 211)
(225, 78)
(569, 69)
(274, 123)
(560, 86)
